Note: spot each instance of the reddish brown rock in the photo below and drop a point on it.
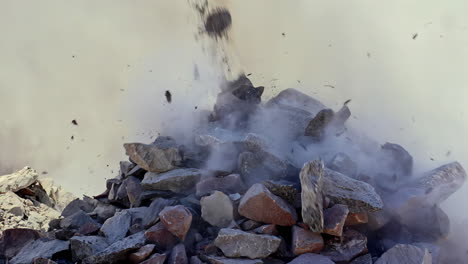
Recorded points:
(13, 240)
(141, 254)
(177, 219)
(334, 219)
(267, 230)
(159, 235)
(260, 205)
(356, 219)
(155, 259)
(305, 241)
(89, 229)
(178, 255)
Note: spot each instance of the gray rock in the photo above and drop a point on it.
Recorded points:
(400, 161)
(85, 246)
(260, 166)
(342, 163)
(317, 127)
(310, 258)
(195, 260)
(86, 205)
(346, 248)
(236, 243)
(229, 184)
(405, 254)
(116, 227)
(357, 195)
(178, 255)
(153, 158)
(365, 259)
(76, 221)
(294, 98)
(104, 211)
(311, 177)
(217, 209)
(134, 190)
(334, 219)
(221, 260)
(40, 248)
(152, 214)
(155, 259)
(18, 180)
(178, 180)
(117, 251)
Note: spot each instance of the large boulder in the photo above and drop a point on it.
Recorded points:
(405, 254)
(311, 177)
(217, 209)
(116, 227)
(152, 157)
(40, 248)
(13, 240)
(261, 205)
(178, 180)
(236, 243)
(83, 246)
(306, 241)
(118, 251)
(18, 180)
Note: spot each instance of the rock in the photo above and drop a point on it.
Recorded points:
(177, 220)
(250, 224)
(178, 181)
(358, 196)
(116, 227)
(13, 240)
(267, 230)
(342, 163)
(230, 184)
(159, 235)
(365, 259)
(43, 261)
(345, 249)
(178, 255)
(311, 177)
(317, 127)
(134, 190)
(217, 209)
(207, 141)
(221, 260)
(40, 248)
(84, 246)
(433, 249)
(400, 161)
(89, 228)
(125, 168)
(259, 166)
(118, 251)
(155, 259)
(12, 204)
(334, 219)
(405, 254)
(294, 98)
(104, 211)
(236, 243)
(78, 205)
(378, 219)
(57, 194)
(76, 220)
(18, 180)
(356, 219)
(310, 258)
(305, 241)
(284, 189)
(261, 205)
(195, 260)
(153, 158)
(141, 254)
(152, 214)
(64, 234)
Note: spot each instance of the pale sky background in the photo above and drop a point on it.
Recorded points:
(105, 63)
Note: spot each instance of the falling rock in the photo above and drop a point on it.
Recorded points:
(365, 259)
(400, 162)
(178, 255)
(155, 259)
(235, 243)
(405, 254)
(294, 98)
(357, 195)
(177, 219)
(116, 227)
(178, 180)
(346, 248)
(260, 205)
(159, 235)
(76, 220)
(154, 158)
(311, 177)
(342, 163)
(118, 251)
(334, 219)
(84, 246)
(284, 189)
(12, 203)
(356, 219)
(305, 241)
(229, 184)
(13, 240)
(40, 248)
(221, 260)
(217, 209)
(141, 254)
(310, 258)
(18, 180)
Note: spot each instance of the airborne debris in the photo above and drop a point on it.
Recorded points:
(72, 137)
(168, 96)
(329, 85)
(218, 22)
(74, 122)
(347, 102)
(415, 35)
(284, 34)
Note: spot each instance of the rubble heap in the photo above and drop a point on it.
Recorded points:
(274, 182)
